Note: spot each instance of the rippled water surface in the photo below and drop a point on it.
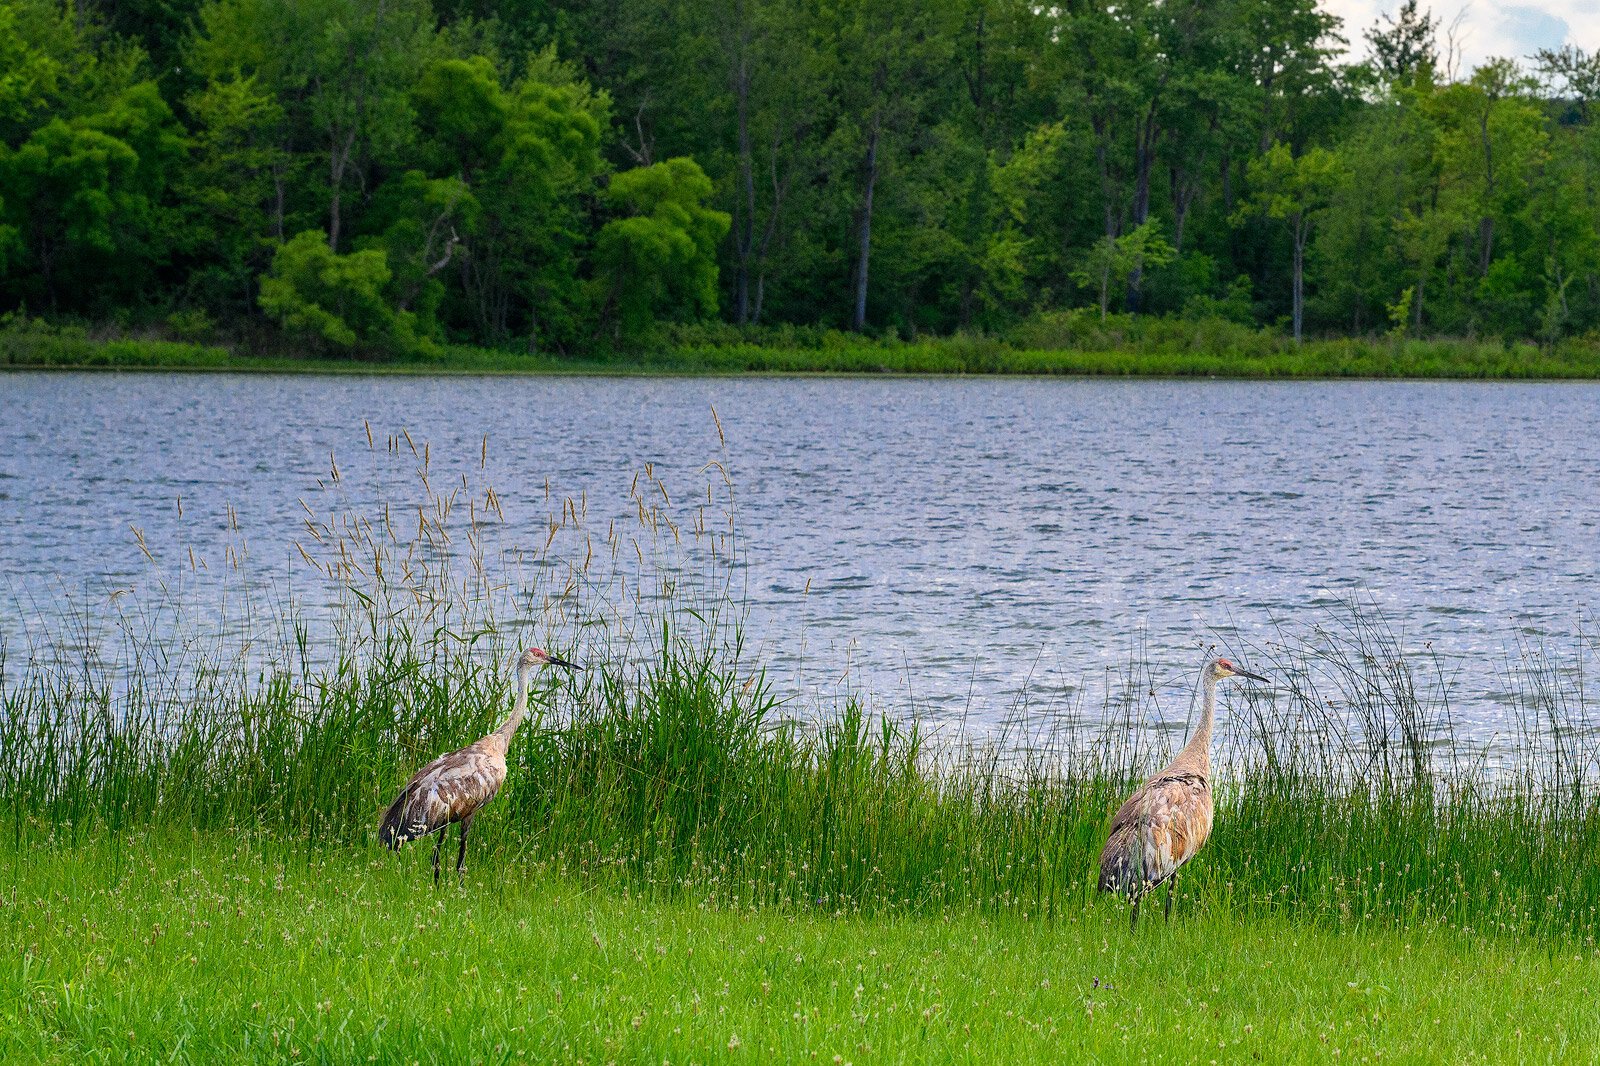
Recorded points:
(961, 538)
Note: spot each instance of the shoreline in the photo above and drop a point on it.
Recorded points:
(1334, 360)
(602, 371)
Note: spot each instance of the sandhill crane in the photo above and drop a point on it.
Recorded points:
(452, 787)
(1165, 823)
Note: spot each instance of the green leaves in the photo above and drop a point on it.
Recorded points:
(338, 300)
(80, 191)
(29, 73)
(69, 177)
(529, 158)
(87, 152)
(1284, 186)
(906, 167)
(462, 115)
(660, 259)
(233, 191)
(342, 70)
(1111, 260)
(425, 223)
(1297, 190)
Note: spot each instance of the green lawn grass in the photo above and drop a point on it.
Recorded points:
(207, 949)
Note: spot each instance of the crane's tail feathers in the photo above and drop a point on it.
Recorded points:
(389, 828)
(1122, 863)
(392, 830)
(409, 817)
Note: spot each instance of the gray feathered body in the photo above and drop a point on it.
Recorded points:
(1160, 827)
(1166, 822)
(450, 789)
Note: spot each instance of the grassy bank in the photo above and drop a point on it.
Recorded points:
(1173, 350)
(140, 948)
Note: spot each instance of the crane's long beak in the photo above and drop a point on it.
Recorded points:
(1252, 677)
(562, 662)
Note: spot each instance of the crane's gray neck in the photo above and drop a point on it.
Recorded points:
(519, 709)
(1196, 755)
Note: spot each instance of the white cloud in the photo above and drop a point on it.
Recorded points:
(1485, 28)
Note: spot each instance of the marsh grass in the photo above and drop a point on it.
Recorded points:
(1051, 344)
(674, 766)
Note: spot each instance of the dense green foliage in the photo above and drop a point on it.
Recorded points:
(196, 949)
(1074, 344)
(363, 179)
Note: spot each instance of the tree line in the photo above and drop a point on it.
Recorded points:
(553, 175)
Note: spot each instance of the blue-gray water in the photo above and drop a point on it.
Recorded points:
(962, 539)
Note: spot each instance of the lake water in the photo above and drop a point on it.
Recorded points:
(953, 541)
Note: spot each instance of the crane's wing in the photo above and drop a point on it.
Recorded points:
(446, 790)
(1157, 830)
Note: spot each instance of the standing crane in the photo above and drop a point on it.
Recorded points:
(1166, 823)
(452, 787)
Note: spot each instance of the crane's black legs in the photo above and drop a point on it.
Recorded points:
(461, 855)
(461, 852)
(1137, 897)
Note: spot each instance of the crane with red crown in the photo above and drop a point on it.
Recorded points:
(1166, 823)
(451, 788)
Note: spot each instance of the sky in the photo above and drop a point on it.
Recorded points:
(1487, 28)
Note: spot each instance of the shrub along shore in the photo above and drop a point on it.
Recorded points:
(1176, 350)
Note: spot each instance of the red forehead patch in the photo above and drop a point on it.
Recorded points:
(1225, 664)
